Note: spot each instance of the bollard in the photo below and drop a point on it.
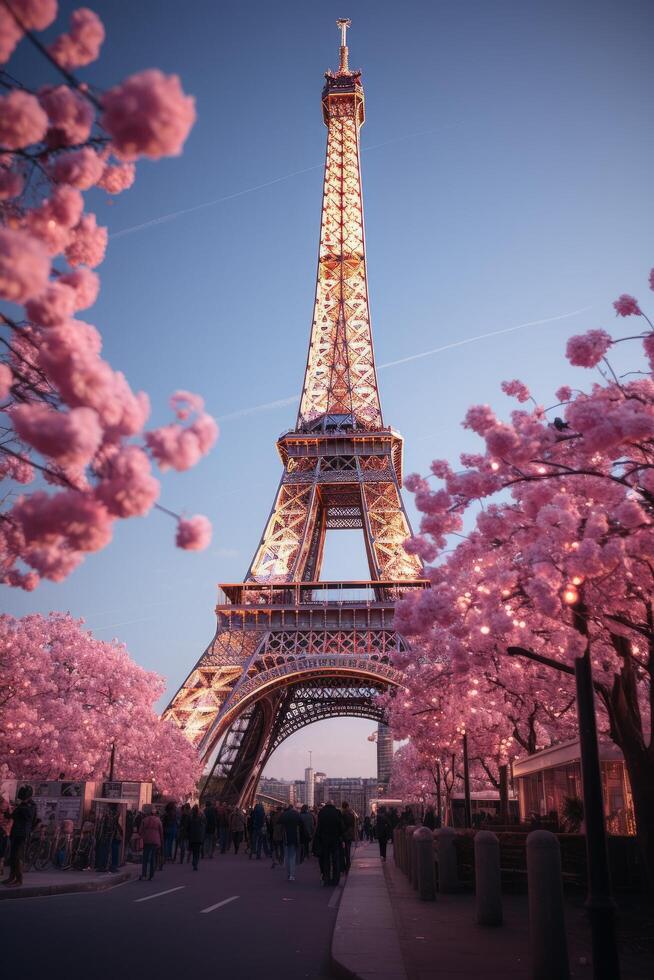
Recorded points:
(448, 878)
(408, 835)
(547, 939)
(488, 880)
(423, 845)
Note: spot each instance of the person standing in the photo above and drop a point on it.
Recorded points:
(110, 835)
(153, 838)
(23, 817)
(210, 829)
(237, 827)
(384, 831)
(196, 831)
(291, 826)
(330, 833)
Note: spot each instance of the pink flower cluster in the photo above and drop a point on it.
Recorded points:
(63, 401)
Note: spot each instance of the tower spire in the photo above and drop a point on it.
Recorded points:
(343, 23)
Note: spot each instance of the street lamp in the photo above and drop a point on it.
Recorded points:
(599, 901)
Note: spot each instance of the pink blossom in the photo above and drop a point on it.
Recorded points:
(564, 394)
(414, 482)
(80, 168)
(421, 546)
(184, 403)
(70, 116)
(88, 244)
(24, 266)
(501, 440)
(86, 285)
(128, 488)
(35, 15)
(651, 279)
(479, 418)
(53, 306)
(6, 381)
(16, 469)
(22, 120)
(117, 178)
(631, 514)
(626, 305)
(440, 468)
(10, 34)
(79, 519)
(55, 218)
(11, 183)
(587, 350)
(193, 533)
(70, 438)
(148, 115)
(516, 389)
(180, 448)
(82, 44)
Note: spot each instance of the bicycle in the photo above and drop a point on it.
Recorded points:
(83, 856)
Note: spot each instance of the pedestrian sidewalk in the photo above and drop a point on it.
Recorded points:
(384, 932)
(365, 943)
(39, 883)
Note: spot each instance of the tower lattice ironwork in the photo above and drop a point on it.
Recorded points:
(290, 649)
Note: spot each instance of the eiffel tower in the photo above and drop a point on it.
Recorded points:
(290, 649)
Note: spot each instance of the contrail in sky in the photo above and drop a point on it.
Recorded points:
(165, 218)
(281, 402)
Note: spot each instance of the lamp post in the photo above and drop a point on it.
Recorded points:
(599, 901)
(112, 759)
(439, 807)
(467, 806)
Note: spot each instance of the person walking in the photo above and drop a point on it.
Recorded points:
(237, 827)
(196, 832)
(152, 833)
(183, 833)
(367, 828)
(5, 829)
(210, 829)
(349, 834)
(23, 818)
(330, 834)
(223, 827)
(277, 837)
(384, 831)
(258, 832)
(291, 825)
(306, 836)
(109, 837)
(169, 824)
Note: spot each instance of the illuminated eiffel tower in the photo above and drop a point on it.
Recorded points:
(290, 649)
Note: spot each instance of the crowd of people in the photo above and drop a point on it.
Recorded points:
(284, 835)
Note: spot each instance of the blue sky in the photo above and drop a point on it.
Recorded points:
(507, 167)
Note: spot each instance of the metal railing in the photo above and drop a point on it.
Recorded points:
(317, 593)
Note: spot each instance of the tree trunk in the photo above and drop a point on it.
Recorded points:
(640, 768)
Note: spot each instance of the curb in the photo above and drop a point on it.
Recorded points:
(66, 888)
(365, 943)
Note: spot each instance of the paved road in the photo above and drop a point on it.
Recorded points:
(267, 926)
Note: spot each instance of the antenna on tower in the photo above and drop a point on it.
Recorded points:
(310, 759)
(343, 23)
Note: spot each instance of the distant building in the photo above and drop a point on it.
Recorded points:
(384, 754)
(309, 787)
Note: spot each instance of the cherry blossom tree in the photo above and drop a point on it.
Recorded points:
(66, 698)
(70, 420)
(560, 560)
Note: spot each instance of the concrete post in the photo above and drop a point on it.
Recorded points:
(408, 836)
(423, 844)
(488, 881)
(448, 877)
(399, 845)
(547, 939)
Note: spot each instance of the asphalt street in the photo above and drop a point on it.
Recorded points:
(235, 915)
